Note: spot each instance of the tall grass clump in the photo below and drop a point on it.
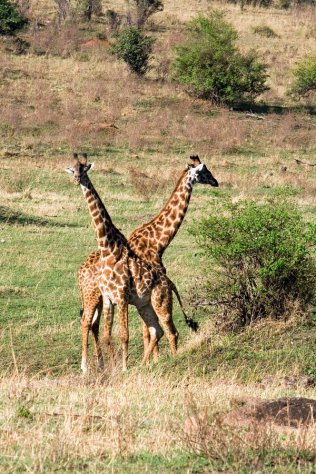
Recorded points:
(211, 67)
(261, 257)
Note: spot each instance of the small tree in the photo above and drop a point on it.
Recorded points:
(260, 258)
(113, 19)
(10, 18)
(87, 8)
(134, 47)
(305, 75)
(146, 8)
(63, 8)
(211, 67)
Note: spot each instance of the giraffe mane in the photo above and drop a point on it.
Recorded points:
(84, 159)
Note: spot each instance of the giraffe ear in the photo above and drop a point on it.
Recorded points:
(88, 167)
(195, 160)
(69, 170)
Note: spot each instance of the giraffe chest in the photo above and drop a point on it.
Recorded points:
(113, 280)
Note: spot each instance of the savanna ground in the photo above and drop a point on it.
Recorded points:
(69, 94)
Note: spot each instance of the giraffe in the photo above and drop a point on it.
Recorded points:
(148, 241)
(123, 278)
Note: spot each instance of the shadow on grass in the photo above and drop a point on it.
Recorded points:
(265, 109)
(7, 216)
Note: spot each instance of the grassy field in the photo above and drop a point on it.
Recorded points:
(64, 96)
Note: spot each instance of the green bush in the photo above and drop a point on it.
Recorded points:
(134, 47)
(260, 258)
(305, 75)
(211, 67)
(10, 18)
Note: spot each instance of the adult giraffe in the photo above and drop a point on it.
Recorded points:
(149, 242)
(123, 278)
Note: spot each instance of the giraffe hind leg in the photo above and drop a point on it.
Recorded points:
(161, 299)
(153, 328)
(146, 341)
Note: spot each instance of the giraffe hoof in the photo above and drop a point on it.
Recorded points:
(101, 364)
(84, 367)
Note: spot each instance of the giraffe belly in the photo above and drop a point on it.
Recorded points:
(137, 300)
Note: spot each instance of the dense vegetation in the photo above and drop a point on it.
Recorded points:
(305, 78)
(262, 256)
(10, 17)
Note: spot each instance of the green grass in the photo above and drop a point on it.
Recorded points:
(43, 247)
(39, 301)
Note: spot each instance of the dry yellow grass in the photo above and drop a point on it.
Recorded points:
(62, 422)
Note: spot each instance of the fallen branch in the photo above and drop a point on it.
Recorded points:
(198, 303)
(300, 162)
(256, 116)
(71, 415)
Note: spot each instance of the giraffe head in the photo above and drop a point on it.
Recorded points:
(80, 168)
(198, 173)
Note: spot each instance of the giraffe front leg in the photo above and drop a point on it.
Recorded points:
(85, 326)
(108, 310)
(90, 319)
(95, 331)
(122, 309)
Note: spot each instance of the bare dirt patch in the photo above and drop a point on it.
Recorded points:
(291, 412)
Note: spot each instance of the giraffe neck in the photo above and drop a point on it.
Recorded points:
(160, 231)
(110, 240)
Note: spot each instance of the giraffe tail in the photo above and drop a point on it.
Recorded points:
(188, 320)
